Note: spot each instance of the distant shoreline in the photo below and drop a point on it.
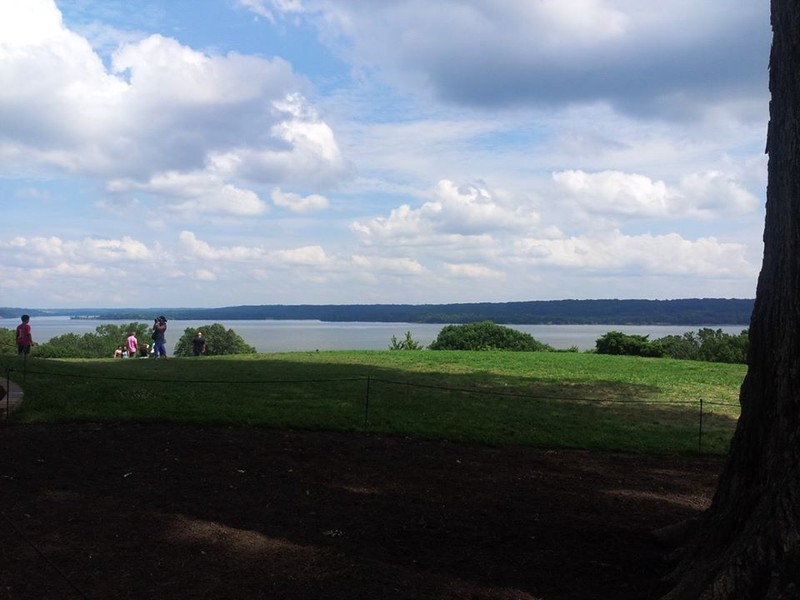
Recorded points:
(690, 311)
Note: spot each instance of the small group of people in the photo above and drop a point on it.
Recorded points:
(132, 348)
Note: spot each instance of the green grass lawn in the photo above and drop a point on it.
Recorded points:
(547, 399)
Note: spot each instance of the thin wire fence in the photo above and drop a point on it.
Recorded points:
(372, 392)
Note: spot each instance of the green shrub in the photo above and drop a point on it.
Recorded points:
(8, 341)
(616, 342)
(711, 345)
(219, 341)
(407, 344)
(486, 336)
(100, 344)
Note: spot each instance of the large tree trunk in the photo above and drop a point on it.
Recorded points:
(748, 542)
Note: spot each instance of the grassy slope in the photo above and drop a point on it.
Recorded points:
(545, 399)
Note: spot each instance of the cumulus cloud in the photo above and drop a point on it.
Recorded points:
(650, 254)
(52, 269)
(706, 194)
(304, 150)
(304, 256)
(299, 204)
(195, 248)
(199, 249)
(454, 211)
(472, 271)
(196, 192)
(141, 133)
(713, 193)
(615, 192)
(41, 250)
(675, 59)
(390, 265)
(162, 113)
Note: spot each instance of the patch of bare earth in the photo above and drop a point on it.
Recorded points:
(174, 511)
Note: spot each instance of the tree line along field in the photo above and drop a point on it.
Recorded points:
(687, 311)
(705, 345)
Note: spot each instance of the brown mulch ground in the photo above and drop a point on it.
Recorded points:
(172, 511)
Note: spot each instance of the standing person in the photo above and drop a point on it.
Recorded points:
(24, 338)
(159, 337)
(133, 345)
(199, 344)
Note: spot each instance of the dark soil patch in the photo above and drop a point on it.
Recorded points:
(173, 511)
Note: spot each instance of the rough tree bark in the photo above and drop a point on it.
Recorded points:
(747, 545)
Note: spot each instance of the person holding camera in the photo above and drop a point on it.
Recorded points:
(159, 337)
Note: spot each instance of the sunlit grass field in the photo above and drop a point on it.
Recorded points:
(544, 399)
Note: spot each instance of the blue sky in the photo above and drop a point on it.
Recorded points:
(225, 152)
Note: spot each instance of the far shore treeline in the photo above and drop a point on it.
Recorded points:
(690, 311)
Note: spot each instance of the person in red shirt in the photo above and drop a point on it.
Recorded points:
(24, 339)
(133, 345)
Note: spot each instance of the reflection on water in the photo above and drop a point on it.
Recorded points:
(293, 336)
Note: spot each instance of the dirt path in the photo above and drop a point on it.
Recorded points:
(10, 397)
(173, 511)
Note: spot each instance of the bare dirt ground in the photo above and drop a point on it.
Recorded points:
(174, 511)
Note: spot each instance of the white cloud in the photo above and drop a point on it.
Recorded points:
(707, 194)
(113, 250)
(615, 193)
(163, 113)
(29, 24)
(299, 204)
(196, 192)
(642, 254)
(38, 250)
(388, 265)
(712, 193)
(199, 249)
(194, 248)
(674, 59)
(304, 150)
(472, 271)
(305, 256)
(454, 211)
(623, 142)
(268, 8)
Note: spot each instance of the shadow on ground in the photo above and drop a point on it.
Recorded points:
(173, 511)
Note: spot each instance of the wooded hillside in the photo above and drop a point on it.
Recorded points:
(692, 311)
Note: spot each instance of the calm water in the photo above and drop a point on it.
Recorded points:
(293, 336)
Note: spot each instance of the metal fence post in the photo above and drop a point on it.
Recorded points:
(700, 435)
(8, 393)
(366, 405)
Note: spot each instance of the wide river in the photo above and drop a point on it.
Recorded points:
(294, 336)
